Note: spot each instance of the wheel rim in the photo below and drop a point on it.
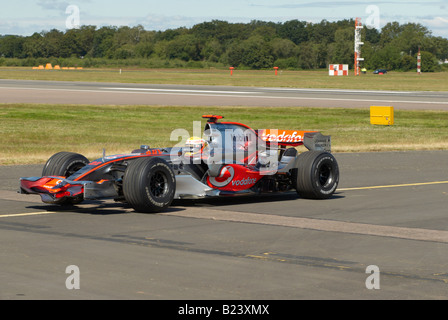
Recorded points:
(158, 185)
(74, 168)
(325, 175)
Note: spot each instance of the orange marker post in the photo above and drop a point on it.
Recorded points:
(276, 69)
(231, 70)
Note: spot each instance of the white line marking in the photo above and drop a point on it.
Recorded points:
(176, 90)
(348, 91)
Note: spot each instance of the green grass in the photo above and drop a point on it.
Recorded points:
(401, 81)
(31, 133)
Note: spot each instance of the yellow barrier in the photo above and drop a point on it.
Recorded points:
(48, 66)
(382, 115)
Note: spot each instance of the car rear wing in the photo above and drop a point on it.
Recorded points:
(317, 141)
(312, 140)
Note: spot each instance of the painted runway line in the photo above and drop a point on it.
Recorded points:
(395, 186)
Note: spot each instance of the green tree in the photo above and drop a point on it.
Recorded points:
(408, 63)
(440, 47)
(388, 58)
(429, 62)
(257, 44)
(77, 42)
(253, 53)
(294, 30)
(342, 51)
(212, 50)
(308, 55)
(410, 37)
(85, 39)
(103, 42)
(266, 32)
(389, 32)
(256, 53)
(185, 47)
(33, 46)
(12, 47)
(51, 42)
(322, 32)
(283, 48)
(371, 35)
(234, 53)
(144, 49)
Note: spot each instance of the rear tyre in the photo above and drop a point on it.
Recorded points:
(149, 185)
(65, 164)
(317, 175)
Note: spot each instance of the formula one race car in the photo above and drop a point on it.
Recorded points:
(229, 159)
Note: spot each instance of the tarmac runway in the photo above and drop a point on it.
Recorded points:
(55, 92)
(389, 211)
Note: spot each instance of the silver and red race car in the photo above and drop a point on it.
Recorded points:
(229, 159)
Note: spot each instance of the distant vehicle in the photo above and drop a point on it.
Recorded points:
(380, 71)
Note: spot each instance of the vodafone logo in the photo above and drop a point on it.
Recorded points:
(285, 136)
(282, 136)
(226, 178)
(244, 182)
(226, 175)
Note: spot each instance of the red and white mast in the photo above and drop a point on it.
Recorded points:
(419, 61)
(358, 44)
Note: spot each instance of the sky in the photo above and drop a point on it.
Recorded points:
(24, 17)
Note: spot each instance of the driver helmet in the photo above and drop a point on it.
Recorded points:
(194, 147)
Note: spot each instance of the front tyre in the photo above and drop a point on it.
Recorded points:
(65, 164)
(317, 175)
(149, 185)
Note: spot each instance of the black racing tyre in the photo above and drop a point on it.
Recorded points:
(64, 164)
(316, 175)
(149, 185)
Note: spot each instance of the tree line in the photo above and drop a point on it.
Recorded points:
(256, 45)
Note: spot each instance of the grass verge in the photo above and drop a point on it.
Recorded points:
(31, 133)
